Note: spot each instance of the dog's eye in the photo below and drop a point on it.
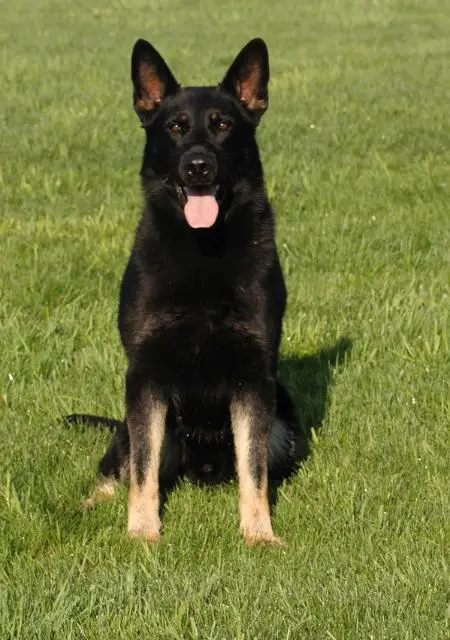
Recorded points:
(175, 128)
(218, 123)
(223, 125)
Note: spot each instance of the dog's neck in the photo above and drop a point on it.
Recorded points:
(211, 242)
(243, 231)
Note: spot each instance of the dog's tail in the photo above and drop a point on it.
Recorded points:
(95, 421)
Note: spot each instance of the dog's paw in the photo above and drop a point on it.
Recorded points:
(262, 539)
(143, 534)
(146, 526)
(259, 533)
(103, 492)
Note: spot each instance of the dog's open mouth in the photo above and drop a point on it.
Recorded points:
(200, 204)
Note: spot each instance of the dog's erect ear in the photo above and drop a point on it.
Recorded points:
(248, 77)
(152, 79)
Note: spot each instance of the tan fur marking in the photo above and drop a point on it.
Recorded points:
(248, 89)
(143, 501)
(104, 490)
(255, 524)
(152, 89)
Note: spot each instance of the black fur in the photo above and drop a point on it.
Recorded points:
(201, 309)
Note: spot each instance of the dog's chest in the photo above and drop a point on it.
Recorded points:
(207, 307)
(198, 347)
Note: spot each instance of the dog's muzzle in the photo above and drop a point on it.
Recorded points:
(198, 172)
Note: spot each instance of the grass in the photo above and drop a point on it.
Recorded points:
(356, 152)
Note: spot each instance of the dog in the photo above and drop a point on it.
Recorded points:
(201, 302)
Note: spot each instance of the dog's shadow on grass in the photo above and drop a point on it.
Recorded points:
(309, 379)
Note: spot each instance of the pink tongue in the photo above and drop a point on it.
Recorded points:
(201, 210)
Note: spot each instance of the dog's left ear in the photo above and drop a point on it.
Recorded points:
(248, 77)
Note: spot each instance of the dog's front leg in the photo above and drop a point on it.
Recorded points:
(146, 419)
(252, 414)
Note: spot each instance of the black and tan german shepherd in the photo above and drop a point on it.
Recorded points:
(202, 301)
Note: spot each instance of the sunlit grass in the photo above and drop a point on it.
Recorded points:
(355, 145)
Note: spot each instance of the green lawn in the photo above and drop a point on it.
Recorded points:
(356, 145)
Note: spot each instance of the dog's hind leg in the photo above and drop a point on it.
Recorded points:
(104, 490)
(285, 439)
(113, 467)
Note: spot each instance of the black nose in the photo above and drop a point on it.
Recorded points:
(199, 169)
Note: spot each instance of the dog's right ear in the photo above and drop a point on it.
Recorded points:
(152, 79)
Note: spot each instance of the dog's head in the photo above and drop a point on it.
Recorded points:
(200, 140)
